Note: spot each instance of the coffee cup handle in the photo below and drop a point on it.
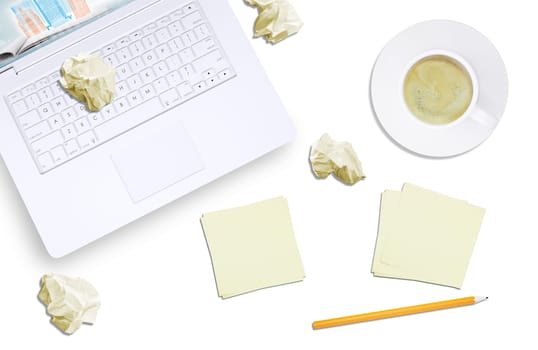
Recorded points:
(484, 118)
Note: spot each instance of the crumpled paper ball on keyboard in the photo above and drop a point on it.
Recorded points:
(90, 80)
(276, 21)
(329, 156)
(70, 301)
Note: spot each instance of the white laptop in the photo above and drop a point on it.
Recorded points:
(188, 110)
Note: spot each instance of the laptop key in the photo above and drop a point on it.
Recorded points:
(123, 72)
(56, 121)
(95, 119)
(121, 105)
(173, 62)
(176, 28)
(28, 89)
(176, 14)
(161, 84)
(124, 55)
(107, 112)
(149, 42)
(161, 69)
(112, 60)
(170, 98)
(185, 89)
(19, 107)
(189, 8)
(136, 35)
(209, 61)
(163, 21)
(45, 111)
(136, 48)
(33, 101)
(71, 147)
(58, 154)
(174, 78)
(163, 51)
(134, 98)
(14, 97)
(69, 115)
(68, 131)
(162, 35)
(123, 42)
(201, 31)
(59, 104)
(148, 92)
(191, 20)
(108, 49)
(204, 47)
(45, 161)
(45, 93)
(149, 58)
(29, 119)
(134, 82)
(186, 55)
(46, 143)
(147, 75)
(200, 86)
(150, 28)
(38, 130)
(188, 38)
(87, 140)
(43, 82)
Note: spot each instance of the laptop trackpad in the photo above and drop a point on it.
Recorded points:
(158, 161)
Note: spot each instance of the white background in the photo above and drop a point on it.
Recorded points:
(155, 276)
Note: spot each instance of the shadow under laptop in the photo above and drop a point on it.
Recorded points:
(20, 217)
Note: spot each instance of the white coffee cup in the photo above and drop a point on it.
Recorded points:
(473, 111)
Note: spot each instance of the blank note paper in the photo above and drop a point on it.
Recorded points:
(425, 236)
(252, 247)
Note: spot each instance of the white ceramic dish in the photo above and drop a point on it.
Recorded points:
(484, 65)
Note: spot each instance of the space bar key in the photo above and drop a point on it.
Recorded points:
(128, 120)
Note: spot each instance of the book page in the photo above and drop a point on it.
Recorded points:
(31, 22)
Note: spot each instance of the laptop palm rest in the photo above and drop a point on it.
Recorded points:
(161, 159)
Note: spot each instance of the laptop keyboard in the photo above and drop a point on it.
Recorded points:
(158, 66)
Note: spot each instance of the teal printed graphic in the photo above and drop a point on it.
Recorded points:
(54, 12)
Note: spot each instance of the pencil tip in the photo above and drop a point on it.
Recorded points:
(479, 299)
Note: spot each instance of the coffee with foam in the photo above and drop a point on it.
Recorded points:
(438, 90)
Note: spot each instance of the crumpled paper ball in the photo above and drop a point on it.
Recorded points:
(328, 156)
(70, 301)
(276, 21)
(90, 80)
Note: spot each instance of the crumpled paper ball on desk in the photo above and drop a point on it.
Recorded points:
(329, 156)
(90, 80)
(70, 301)
(276, 21)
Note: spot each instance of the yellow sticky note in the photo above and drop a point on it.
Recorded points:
(252, 247)
(70, 301)
(425, 236)
(276, 21)
(90, 80)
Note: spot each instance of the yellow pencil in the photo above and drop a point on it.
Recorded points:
(409, 310)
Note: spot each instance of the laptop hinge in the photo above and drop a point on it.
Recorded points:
(8, 70)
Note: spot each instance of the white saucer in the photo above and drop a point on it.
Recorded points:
(485, 66)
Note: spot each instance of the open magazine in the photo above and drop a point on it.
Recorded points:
(25, 24)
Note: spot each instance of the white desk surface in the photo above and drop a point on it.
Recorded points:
(155, 276)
